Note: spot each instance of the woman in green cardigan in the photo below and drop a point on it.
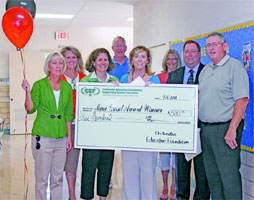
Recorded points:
(51, 97)
(98, 63)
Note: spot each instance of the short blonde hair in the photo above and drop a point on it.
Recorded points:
(92, 57)
(136, 50)
(50, 57)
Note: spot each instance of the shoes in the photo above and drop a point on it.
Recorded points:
(164, 195)
(172, 194)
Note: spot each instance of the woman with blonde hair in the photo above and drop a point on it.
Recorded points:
(139, 167)
(72, 75)
(51, 97)
(170, 62)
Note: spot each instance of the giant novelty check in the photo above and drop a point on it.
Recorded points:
(155, 118)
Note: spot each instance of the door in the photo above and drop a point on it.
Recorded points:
(34, 71)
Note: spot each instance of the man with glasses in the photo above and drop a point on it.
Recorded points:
(188, 74)
(223, 97)
(121, 61)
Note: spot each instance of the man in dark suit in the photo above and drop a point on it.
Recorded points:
(188, 74)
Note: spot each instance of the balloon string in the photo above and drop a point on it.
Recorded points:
(25, 166)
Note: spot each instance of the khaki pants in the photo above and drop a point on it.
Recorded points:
(139, 175)
(72, 157)
(49, 160)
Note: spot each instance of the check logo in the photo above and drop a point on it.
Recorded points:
(90, 91)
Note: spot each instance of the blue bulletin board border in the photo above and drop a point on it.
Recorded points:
(239, 38)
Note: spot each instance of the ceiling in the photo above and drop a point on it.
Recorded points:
(88, 13)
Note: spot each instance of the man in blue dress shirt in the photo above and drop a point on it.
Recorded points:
(120, 59)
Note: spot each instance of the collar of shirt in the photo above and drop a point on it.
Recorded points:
(222, 62)
(70, 80)
(93, 75)
(187, 73)
(125, 61)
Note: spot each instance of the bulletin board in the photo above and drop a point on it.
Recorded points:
(240, 42)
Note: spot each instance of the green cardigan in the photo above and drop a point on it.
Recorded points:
(50, 121)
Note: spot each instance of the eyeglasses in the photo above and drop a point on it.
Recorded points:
(171, 59)
(38, 145)
(213, 44)
(73, 84)
(191, 51)
(119, 46)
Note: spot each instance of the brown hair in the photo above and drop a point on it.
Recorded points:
(92, 57)
(190, 42)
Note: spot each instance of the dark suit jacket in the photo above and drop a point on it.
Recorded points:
(176, 76)
(183, 167)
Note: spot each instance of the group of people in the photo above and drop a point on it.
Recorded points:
(223, 97)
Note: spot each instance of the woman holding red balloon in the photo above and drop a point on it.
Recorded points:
(51, 97)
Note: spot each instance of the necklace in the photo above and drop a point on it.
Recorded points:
(138, 76)
(73, 84)
(72, 74)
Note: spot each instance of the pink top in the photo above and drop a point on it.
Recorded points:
(163, 77)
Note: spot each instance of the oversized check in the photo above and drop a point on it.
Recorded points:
(155, 118)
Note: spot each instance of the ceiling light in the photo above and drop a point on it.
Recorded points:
(53, 16)
(130, 19)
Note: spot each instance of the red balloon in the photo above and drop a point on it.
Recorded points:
(17, 25)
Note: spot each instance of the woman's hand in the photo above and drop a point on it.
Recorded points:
(25, 85)
(69, 144)
(28, 101)
(115, 83)
(147, 83)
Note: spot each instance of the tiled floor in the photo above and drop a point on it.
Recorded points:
(12, 171)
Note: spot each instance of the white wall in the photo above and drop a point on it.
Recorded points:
(86, 39)
(158, 21)
(162, 21)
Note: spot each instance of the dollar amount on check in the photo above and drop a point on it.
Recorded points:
(154, 118)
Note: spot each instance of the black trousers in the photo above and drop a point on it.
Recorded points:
(183, 178)
(102, 161)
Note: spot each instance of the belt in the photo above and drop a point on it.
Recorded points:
(56, 116)
(215, 123)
